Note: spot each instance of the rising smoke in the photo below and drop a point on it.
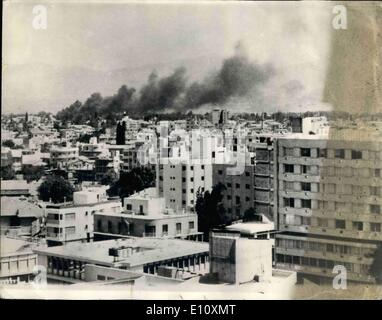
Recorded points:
(237, 77)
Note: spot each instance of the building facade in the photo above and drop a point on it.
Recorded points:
(329, 206)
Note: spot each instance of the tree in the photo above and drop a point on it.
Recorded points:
(8, 143)
(7, 173)
(32, 173)
(249, 214)
(109, 178)
(45, 147)
(210, 210)
(56, 189)
(132, 181)
(121, 133)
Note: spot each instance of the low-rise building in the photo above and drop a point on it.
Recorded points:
(17, 261)
(74, 221)
(146, 215)
(14, 188)
(67, 263)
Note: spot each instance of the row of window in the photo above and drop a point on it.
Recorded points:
(335, 153)
(297, 220)
(332, 188)
(322, 263)
(331, 205)
(323, 247)
(328, 171)
(184, 168)
(183, 179)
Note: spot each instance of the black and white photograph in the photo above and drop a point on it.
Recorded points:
(191, 150)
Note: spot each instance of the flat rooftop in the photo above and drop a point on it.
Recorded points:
(150, 250)
(10, 246)
(252, 227)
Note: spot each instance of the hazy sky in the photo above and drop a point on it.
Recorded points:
(44, 68)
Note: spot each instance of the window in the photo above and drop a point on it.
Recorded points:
(70, 216)
(374, 208)
(213, 154)
(288, 185)
(304, 169)
(192, 190)
(192, 179)
(355, 154)
(375, 191)
(165, 229)
(340, 224)
(191, 225)
(192, 168)
(377, 173)
(183, 190)
(100, 277)
(330, 188)
(288, 152)
(305, 152)
(229, 197)
(375, 227)
(183, 168)
(160, 178)
(247, 186)
(237, 199)
(237, 185)
(70, 230)
(306, 203)
(322, 153)
(202, 178)
(220, 172)
(289, 202)
(229, 185)
(357, 225)
(321, 222)
(183, 179)
(305, 186)
(288, 168)
(202, 166)
(128, 207)
(247, 174)
(178, 228)
(247, 199)
(339, 153)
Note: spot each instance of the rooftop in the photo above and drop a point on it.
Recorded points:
(14, 185)
(12, 206)
(149, 250)
(252, 227)
(11, 246)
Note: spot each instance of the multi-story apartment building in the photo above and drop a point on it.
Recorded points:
(145, 215)
(238, 197)
(329, 205)
(251, 187)
(61, 157)
(93, 149)
(219, 117)
(179, 183)
(74, 221)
